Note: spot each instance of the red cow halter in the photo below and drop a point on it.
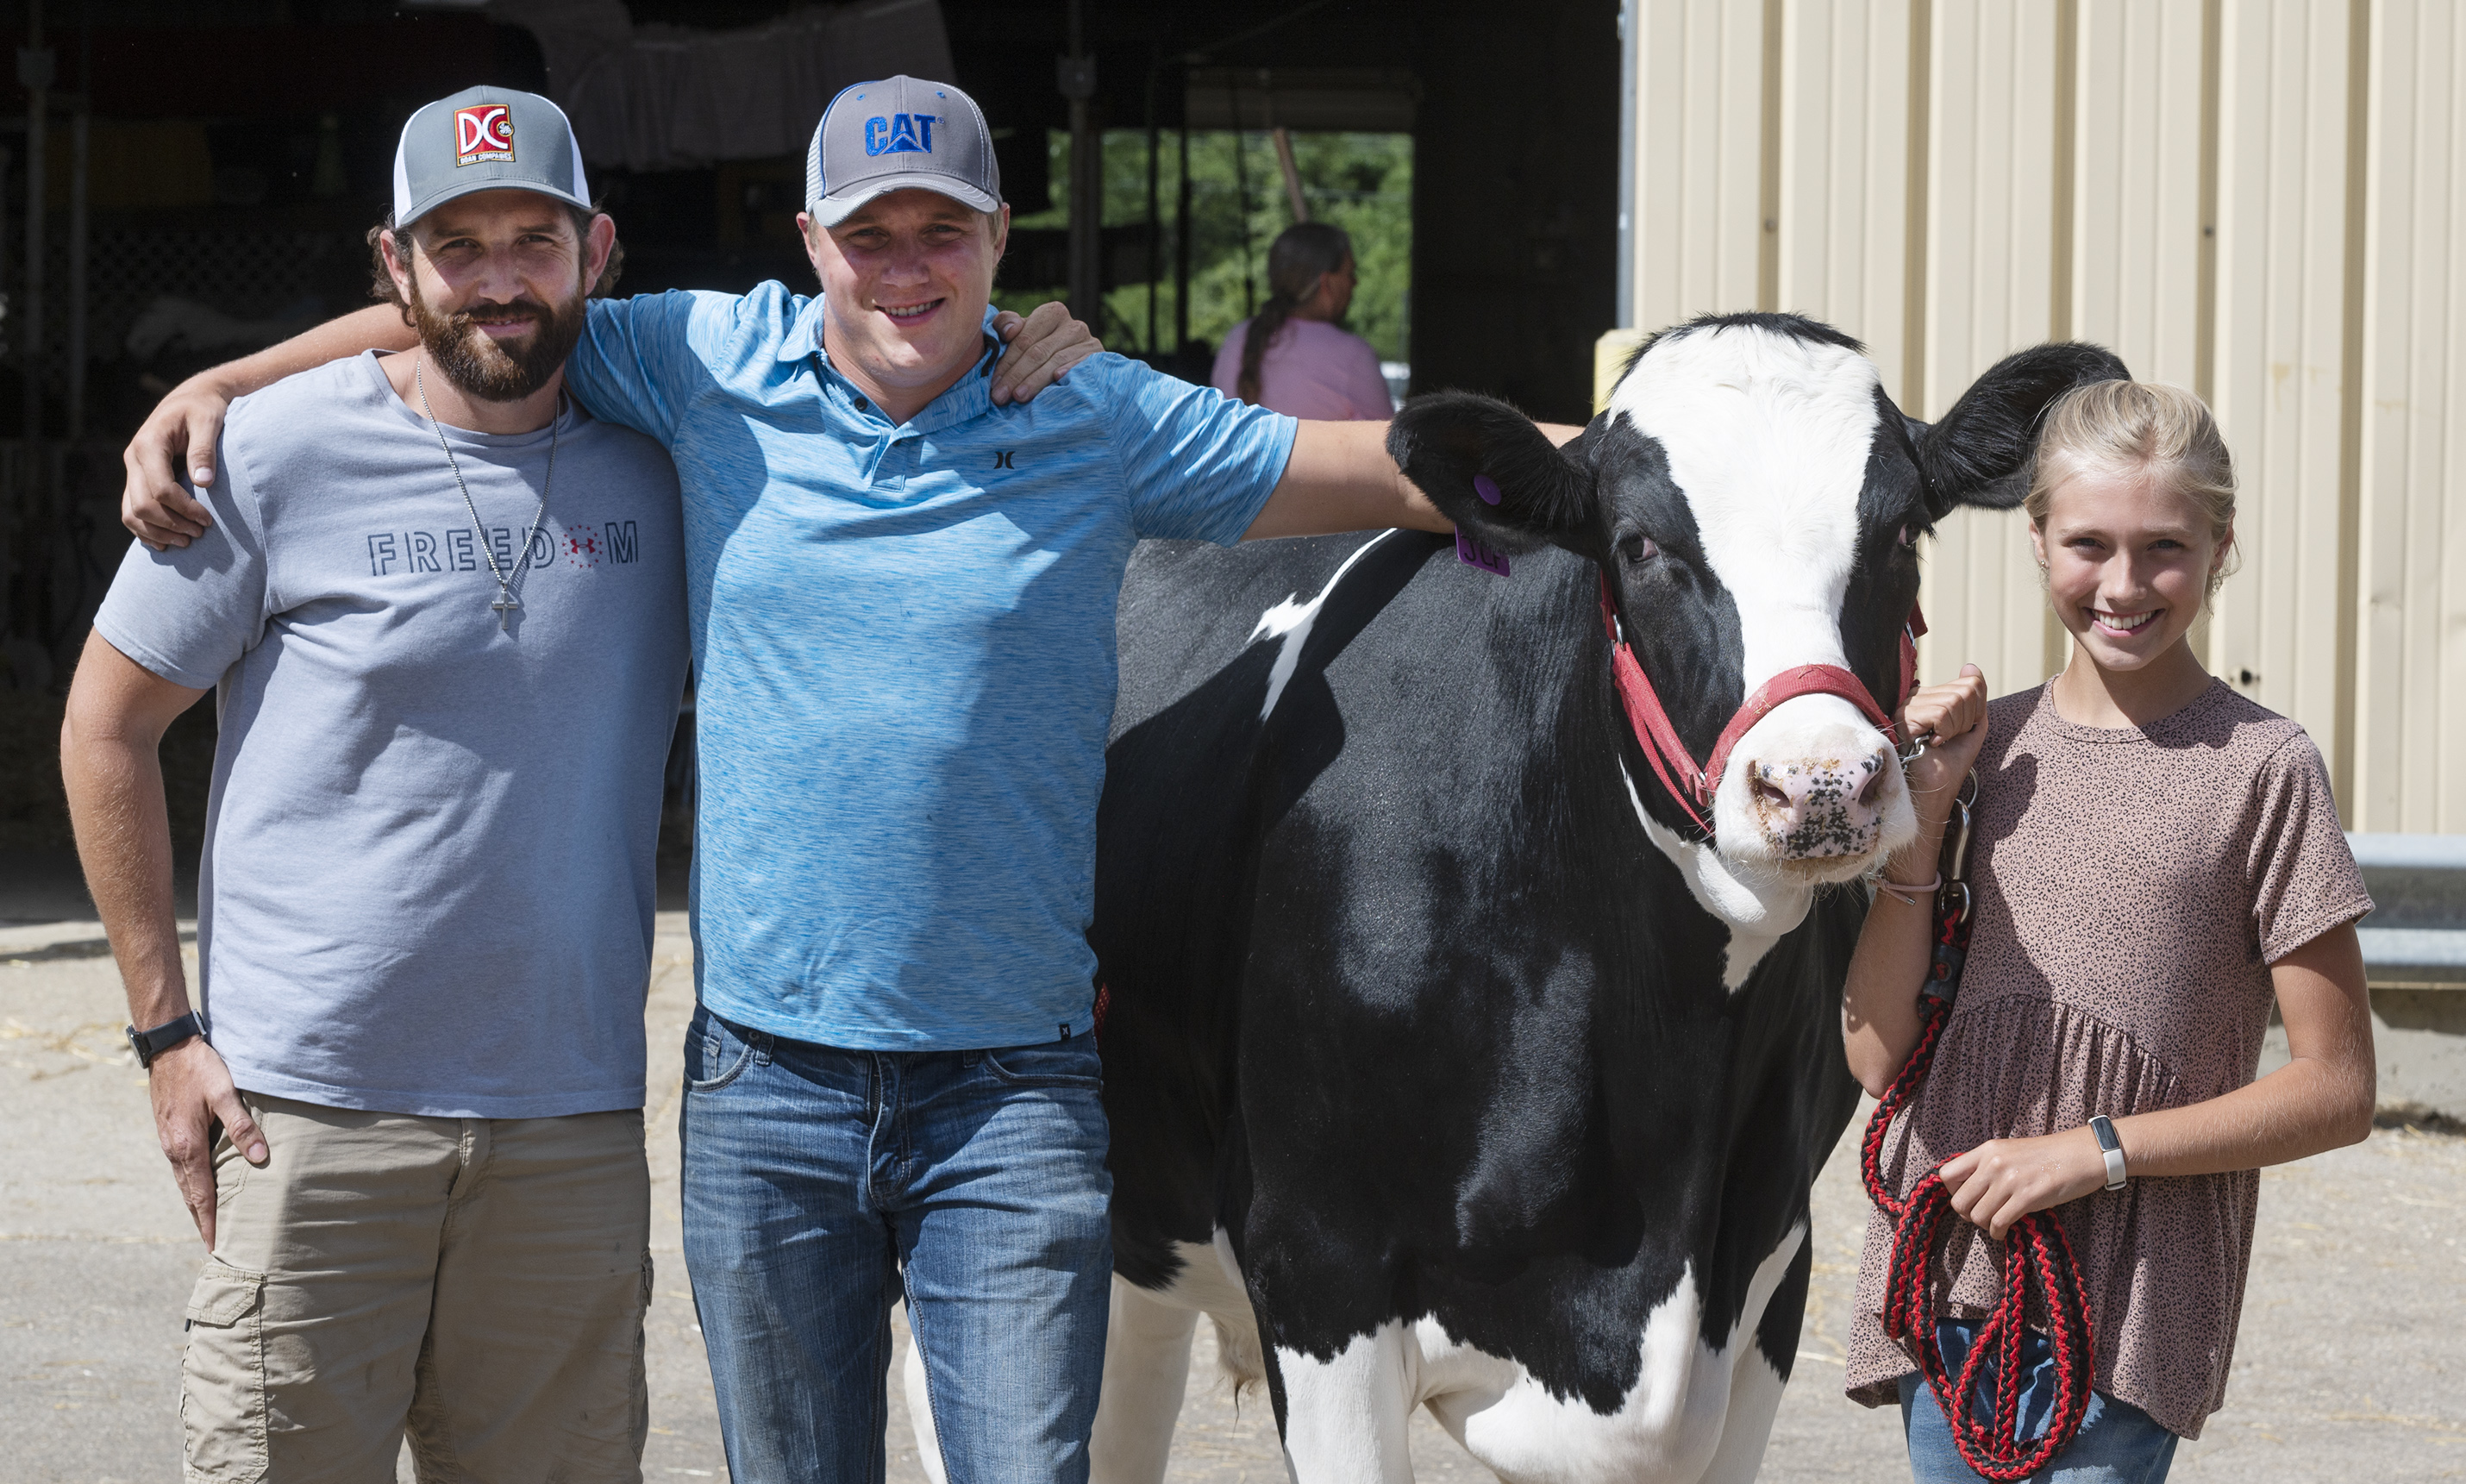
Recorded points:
(1693, 786)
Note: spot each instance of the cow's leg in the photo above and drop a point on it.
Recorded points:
(1345, 1418)
(1761, 1370)
(1147, 1369)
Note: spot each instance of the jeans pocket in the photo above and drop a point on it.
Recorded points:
(716, 1053)
(1055, 1064)
(222, 1377)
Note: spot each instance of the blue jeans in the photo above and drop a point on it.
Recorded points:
(821, 1184)
(2117, 1442)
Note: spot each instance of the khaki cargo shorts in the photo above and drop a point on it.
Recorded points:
(477, 1283)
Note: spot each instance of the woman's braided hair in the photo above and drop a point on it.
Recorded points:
(1303, 254)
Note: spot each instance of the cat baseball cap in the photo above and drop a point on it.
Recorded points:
(900, 134)
(486, 139)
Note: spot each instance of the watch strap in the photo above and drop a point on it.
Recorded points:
(151, 1044)
(2111, 1146)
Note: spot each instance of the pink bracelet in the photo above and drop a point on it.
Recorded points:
(1902, 892)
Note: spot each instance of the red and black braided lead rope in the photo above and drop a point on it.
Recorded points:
(2040, 1274)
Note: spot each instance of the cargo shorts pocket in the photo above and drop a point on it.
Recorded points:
(222, 1378)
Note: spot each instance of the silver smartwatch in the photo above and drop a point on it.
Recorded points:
(2111, 1148)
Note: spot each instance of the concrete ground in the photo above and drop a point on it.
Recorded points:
(2352, 1363)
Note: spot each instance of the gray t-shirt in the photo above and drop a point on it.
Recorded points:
(428, 869)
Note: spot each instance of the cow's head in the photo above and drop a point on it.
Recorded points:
(1756, 500)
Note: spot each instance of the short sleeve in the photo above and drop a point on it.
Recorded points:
(1227, 375)
(188, 615)
(2304, 873)
(1364, 386)
(639, 360)
(1199, 465)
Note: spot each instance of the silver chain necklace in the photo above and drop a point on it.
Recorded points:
(507, 600)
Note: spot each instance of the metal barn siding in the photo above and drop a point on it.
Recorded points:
(1992, 201)
(2411, 658)
(1699, 124)
(2258, 200)
(1844, 193)
(2281, 282)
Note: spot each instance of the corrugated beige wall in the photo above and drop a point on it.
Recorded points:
(2262, 200)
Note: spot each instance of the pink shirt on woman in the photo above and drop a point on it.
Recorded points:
(1312, 369)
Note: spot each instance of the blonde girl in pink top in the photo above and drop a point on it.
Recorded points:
(1294, 357)
(2156, 861)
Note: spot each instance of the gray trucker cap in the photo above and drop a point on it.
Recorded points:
(486, 139)
(899, 134)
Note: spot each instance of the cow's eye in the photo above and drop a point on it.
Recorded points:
(1640, 549)
(1909, 535)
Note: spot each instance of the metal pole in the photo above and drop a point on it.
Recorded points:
(1629, 26)
(35, 71)
(1156, 231)
(78, 131)
(1242, 199)
(1078, 78)
(1181, 238)
(1284, 138)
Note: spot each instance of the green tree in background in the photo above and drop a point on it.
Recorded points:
(1360, 182)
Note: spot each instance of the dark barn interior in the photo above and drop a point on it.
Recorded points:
(198, 180)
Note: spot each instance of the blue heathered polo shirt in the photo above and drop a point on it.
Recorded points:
(902, 637)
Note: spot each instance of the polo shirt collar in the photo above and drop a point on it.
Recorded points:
(971, 395)
(804, 335)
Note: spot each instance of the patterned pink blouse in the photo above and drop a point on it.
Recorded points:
(2133, 887)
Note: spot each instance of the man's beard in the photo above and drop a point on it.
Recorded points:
(493, 370)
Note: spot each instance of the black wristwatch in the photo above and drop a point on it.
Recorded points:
(151, 1044)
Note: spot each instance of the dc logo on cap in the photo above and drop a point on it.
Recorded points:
(902, 133)
(483, 132)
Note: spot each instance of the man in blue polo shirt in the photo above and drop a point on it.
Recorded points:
(902, 599)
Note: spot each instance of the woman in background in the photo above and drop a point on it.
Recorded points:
(1292, 358)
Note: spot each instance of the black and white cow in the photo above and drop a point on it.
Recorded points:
(1449, 1062)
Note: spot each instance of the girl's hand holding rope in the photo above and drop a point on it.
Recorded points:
(2003, 1180)
(1949, 722)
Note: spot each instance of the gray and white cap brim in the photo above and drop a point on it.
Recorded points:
(421, 209)
(832, 209)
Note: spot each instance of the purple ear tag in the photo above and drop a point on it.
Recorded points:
(1486, 487)
(1472, 554)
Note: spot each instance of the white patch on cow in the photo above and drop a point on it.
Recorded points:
(1291, 620)
(1758, 907)
(1345, 1418)
(1767, 435)
(1146, 1360)
(1696, 1414)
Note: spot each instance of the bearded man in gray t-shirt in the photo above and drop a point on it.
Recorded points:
(445, 609)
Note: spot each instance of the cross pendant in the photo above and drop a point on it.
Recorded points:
(504, 606)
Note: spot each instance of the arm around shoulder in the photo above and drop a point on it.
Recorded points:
(183, 427)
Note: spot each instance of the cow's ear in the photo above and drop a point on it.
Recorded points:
(1980, 454)
(1489, 470)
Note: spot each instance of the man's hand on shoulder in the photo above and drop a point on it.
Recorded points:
(193, 1092)
(1039, 349)
(183, 427)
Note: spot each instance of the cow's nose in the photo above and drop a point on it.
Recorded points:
(1822, 806)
